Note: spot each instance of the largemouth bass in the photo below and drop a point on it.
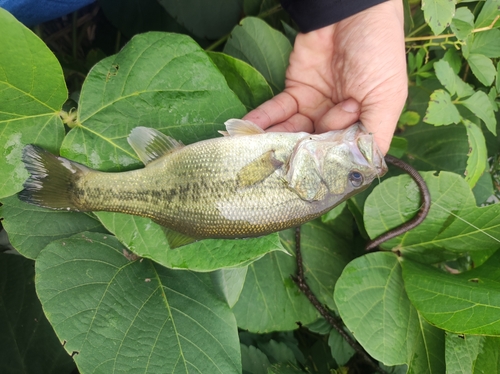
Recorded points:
(247, 183)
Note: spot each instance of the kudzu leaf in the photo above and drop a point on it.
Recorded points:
(228, 283)
(373, 304)
(486, 43)
(31, 228)
(159, 80)
(246, 82)
(441, 111)
(461, 303)
(476, 163)
(472, 354)
(490, 10)
(462, 23)
(147, 239)
(210, 20)
(438, 14)
(480, 105)
(32, 92)
(28, 342)
(341, 350)
(263, 47)
(453, 227)
(269, 290)
(429, 147)
(482, 68)
(122, 315)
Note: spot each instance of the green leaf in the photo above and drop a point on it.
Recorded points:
(341, 350)
(461, 303)
(490, 10)
(438, 14)
(373, 304)
(477, 161)
(450, 80)
(147, 239)
(27, 341)
(429, 147)
(266, 49)
(462, 23)
(486, 43)
(160, 80)
(228, 283)
(472, 354)
(102, 304)
(482, 68)
(253, 360)
(246, 82)
(269, 290)
(480, 105)
(399, 146)
(210, 20)
(441, 110)
(32, 92)
(31, 228)
(453, 227)
(497, 82)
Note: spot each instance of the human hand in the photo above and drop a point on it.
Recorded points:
(352, 70)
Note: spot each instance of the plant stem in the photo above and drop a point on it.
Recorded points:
(300, 281)
(445, 36)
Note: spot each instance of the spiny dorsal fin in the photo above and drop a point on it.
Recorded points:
(237, 127)
(258, 170)
(150, 144)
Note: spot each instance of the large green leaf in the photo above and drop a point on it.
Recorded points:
(246, 82)
(454, 225)
(32, 92)
(121, 315)
(451, 80)
(480, 105)
(438, 14)
(27, 342)
(206, 19)
(271, 301)
(266, 49)
(462, 23)
(147, 239)
(472, 354)
(464, 303)
(429, 147)
(372, 302)
(160, 80)
(486, 43)
(31, 228)
(482, 67)
(490, 10)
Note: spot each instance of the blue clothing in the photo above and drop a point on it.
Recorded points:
(32, 12)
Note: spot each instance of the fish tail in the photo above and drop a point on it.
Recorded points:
(52, 179)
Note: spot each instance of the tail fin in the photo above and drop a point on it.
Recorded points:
(52, 180)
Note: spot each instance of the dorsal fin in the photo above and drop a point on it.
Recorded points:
(150, 144)
(237, 127)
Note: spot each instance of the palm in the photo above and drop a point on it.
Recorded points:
(358, 60)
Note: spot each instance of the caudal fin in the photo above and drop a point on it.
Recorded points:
(52, 179)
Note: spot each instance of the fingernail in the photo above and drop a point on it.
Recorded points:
(350, 106)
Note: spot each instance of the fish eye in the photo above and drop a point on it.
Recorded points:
(356, 178)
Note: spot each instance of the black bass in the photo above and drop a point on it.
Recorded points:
(247, 183)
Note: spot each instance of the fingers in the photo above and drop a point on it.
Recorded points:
(277, 110)
(340, 116)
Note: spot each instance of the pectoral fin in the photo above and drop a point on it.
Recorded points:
(150, 144)
(175, 239)
(258, 170)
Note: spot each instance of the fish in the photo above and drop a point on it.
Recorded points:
(247, 183)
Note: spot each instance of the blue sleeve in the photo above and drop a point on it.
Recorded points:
(32, 12)
(314, 14)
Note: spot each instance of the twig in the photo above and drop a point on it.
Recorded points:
(300, 281)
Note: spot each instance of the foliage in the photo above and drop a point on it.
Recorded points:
(116, 298)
